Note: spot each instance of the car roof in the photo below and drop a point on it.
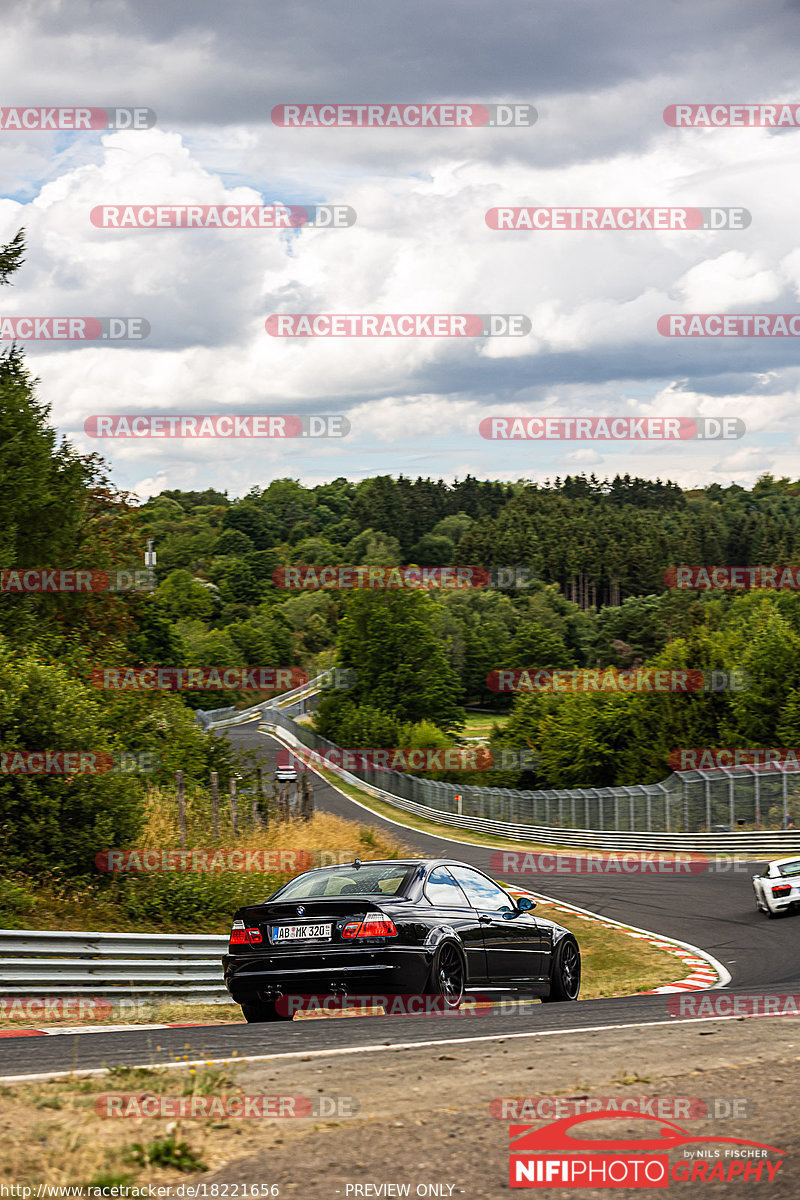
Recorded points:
(776, 862)
(404, 862)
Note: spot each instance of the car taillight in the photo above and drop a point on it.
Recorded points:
(375, 925)
(783, 889)
(245, 937)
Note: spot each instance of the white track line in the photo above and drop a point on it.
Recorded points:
(379, 1048)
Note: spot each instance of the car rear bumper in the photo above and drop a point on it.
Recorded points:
(252, 977)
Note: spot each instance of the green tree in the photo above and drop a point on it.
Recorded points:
(770, 660)
(401, 667)
(59, 822)
(374, 549)
(182, 597)
(433, 550)
(536, 647)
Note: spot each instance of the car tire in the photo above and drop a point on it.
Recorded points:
(565, 973)
(448, 976)
(263, 1011)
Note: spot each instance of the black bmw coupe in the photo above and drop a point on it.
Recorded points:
(420, 927)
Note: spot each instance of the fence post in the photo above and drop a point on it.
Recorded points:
(666, 809)
(685, 805)
(307, 797)
(255, 814)
(233, 805)
(215, 805)
(785, 790)
(181, 808)
(757, 786)
(263, 807)
(708, 805)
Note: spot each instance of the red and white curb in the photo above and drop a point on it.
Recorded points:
(706, 971)
(73, 1029)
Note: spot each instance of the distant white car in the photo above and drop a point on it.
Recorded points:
(778, 888)
(286, 767)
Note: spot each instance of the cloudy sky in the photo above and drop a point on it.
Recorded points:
(599, 76)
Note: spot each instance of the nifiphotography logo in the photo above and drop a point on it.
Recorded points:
(553, 1156)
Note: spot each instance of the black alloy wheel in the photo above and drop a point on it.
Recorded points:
(565, 980)
(448, 975)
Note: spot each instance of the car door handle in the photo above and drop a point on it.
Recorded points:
(485, 920)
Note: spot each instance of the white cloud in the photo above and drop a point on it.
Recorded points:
(420, 243)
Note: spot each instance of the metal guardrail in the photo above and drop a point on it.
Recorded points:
(221, 718)
(66, 963)
(465, 808)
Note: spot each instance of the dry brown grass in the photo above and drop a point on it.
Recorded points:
(98, 904)
(51, 1134)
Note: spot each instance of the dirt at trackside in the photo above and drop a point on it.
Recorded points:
(424, 1116)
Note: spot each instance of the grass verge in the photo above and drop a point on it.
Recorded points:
(52, 1134)
(433, 828)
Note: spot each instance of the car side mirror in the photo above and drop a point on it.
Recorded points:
(525, 903)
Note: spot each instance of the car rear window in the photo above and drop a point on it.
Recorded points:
(790, 868)
(383, 880)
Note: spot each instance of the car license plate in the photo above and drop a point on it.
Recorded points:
(301, 933)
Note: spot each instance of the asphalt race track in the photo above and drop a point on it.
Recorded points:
(712, 911)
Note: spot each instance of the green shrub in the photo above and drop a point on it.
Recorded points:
(177, 899)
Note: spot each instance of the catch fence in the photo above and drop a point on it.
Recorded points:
(719, 801)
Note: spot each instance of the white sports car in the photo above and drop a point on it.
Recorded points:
(778, 888)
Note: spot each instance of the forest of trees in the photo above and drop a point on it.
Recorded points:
(596, 553)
